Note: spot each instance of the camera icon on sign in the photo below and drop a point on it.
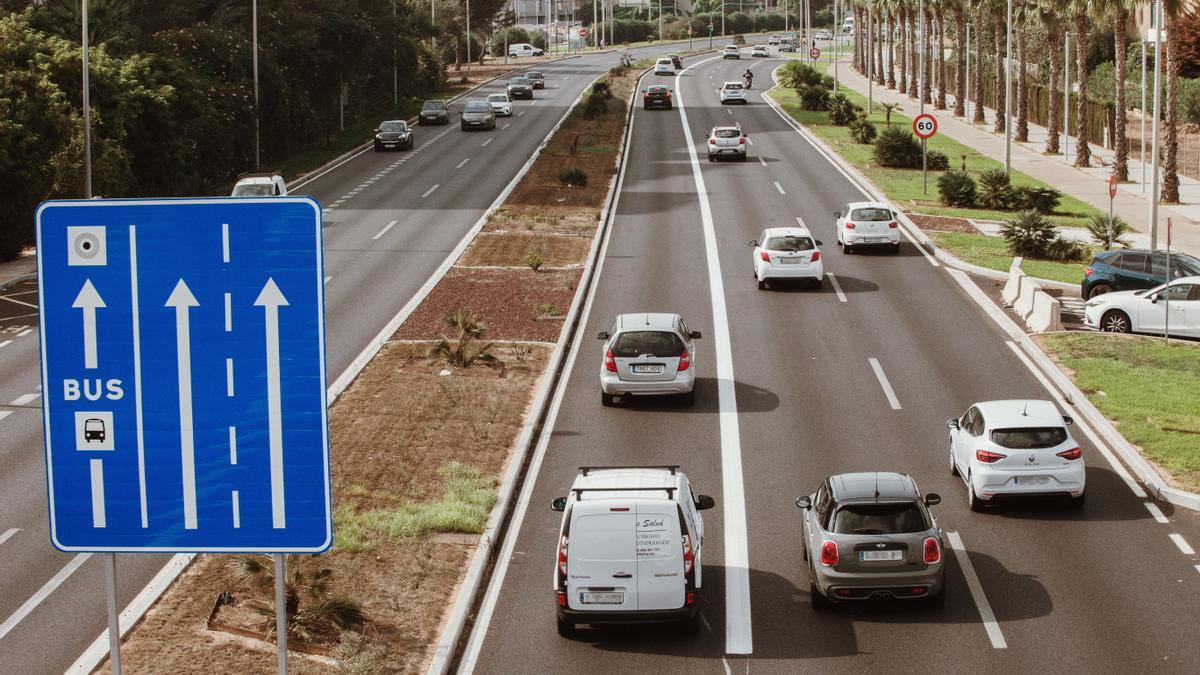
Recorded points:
(86, 246)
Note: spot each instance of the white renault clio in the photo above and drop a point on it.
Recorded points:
(630, 548)
(1015, 448)
(787, 253)
(648, 354)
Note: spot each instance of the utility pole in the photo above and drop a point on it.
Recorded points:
(1154, 186)
(87, 112)
(1142, 143)
(468, 39)
(921, 67)
(395, 64)
(870, 62)
(1008, 92)
(254, 60)
(967, 86)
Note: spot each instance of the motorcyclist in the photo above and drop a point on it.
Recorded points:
(748, 77)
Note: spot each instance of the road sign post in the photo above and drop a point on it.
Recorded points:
(1167, 291)
(924, 126)
(1112, 194)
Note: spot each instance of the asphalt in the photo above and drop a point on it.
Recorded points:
(371, 275)
(1100, 590)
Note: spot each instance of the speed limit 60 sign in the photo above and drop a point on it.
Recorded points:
(925, 126)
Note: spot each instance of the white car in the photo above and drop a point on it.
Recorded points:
(867, 224)
(1016, 448)
(824, 34)
(1145, 311)
(731, 52)
(523, 49)
(727, 142)
(260, 185)
(773, 40)
(759, 50)
(648, 354)
(501, 104)
(787, 253)
(630, 548)
(664, 66)
(733, 91)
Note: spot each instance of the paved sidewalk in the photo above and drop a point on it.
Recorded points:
(1089, 185)
(13, 270)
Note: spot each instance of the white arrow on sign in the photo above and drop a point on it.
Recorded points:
(89, 301)
(271, 299)
(183, 300)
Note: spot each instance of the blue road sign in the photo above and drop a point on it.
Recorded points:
(183, 374)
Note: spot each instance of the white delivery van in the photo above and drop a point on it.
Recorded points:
(523, 49)
(629, 548)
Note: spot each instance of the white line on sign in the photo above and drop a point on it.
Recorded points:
(183, 300)
(1184, 547)
(837, 288)
(883, 382)
(89, 301)
(97, 471)
(462, 163)
(25, 399)
(135, 318)
(271, 299)
(229, 377)
(224, 242)
(1156, 513)
(384, 230)
(228, 312)
(430, 191)
(43, 592)
(233, 445)
(981, 601)
(8, 534)
(780, 188)
(237, 513)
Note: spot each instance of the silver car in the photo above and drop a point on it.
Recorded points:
(648, 354)
(872, 536)
(727, 142)
(478, 115)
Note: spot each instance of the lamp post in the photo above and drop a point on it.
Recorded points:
(1154, 186)
(87, 112)
(967, 86)
(1066, 93)
(395, 64)
(1008, 92)
(870, 62)
(254, 62)
(468, 39)
(1142, 144)
(921, 66)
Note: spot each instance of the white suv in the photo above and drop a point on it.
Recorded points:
(867, 224)
(648, 354)
(731, 52)
(664, 66)
(733, 91)
(629, 548)
(727, 142)
(260, 185)
(787, 253)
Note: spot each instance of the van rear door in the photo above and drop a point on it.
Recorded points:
(661, 582)
(602, 566)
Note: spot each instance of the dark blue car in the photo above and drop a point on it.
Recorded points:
(1134, 269)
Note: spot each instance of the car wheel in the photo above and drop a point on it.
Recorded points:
(895, 249)
(606, 400)
(762, 284)
(1115, 321)
(689, 399)
(819, 602)
(566, 628)
(1099, 289)
(953, 466)
(977, 505)
(819, 283)
(691, 625)
(846, 249)
(464, 127)
(1077, 502)
(645, 107)
(710, 158)
(938, 599)
(378, 148)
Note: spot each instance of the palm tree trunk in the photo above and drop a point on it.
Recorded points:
(1170, 169)
(860, 26)
(880, 79)
(927, 70)
(902, 48)
(1022, 134)
(857, 61)
(959, 79)
(1053, 111)
(977, 113)
(1121, 161)
(914, 60)
(941, 58)
(1083, 154)
(891, 50)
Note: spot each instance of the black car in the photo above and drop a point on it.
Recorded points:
(434, 112)
(656, 96)
(393, 134)
(1133, 269)
(676, 61)
(519, 87)
(536, 78)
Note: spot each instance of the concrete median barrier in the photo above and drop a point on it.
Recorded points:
(1046, 314)
(1012, 287)
(1024, 304)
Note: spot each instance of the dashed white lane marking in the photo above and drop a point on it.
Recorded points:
(9, 534)
(981, 601)
(43, 592)
(462, 163)
(725, 662)
(780, 188)
(729, 111)
(1184, 547)
(5, 413)
(229, 377)
(25, 332)
(5, 343)
(228, 312)
(506, 126)
(883, 382)
(520, 113)
(19, 302)
(837, 288)
(25, 399)
(486, 142)
(750, 140)
(1156, 512)
(1198, 568)
(430, 191)
(388, 227)
(762, 161)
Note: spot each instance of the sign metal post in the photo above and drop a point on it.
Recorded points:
(1112, 194)
(924, 126)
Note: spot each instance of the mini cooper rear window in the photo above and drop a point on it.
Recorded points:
(871, 214)
(1029, 439)
(789, 243)
(879, 519)
(653, 342)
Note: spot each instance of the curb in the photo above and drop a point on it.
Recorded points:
(4, 285)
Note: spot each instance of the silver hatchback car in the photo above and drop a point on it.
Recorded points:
(872, 536)
(648, 354)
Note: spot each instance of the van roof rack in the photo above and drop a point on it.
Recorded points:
(259, 174)
(673, 468)
(669, 490)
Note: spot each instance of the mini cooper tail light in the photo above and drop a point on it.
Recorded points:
(815, 256)
(712, 141)
(893, 225)
(685, 361)
(829, 554)
(742, 141)
(610, 363)
(849, 226)
(1073, 453)
(988, 457)
(933, 550)
(765, 256)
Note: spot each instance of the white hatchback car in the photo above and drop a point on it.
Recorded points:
(727, 142)
(731, 52)
(1146, 311)
(1015, 448)
(867, 224)
(787, 253)
(501, 104)
(759, 51)
(733, 91)
(664, 66)
(648, 354)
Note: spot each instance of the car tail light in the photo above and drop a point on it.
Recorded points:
(649, 95)
(712, 141)
(849, 226)
(933, 550)
(691, 598)
(685, 361)
(1073, 453)
(893, 225)
(815, 256)
(562, 555)
(667, 94)
(829, 554)
(1087, 271)
(689, 558)
(765, 256)
(562, 599)
(741, 141)
(610, 364)
(988, 456)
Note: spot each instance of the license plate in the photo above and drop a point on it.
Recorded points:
(648, 369)
(602, 598)
(792, 261)
(1030, 480)
(871, 556)
(475, 123)
(877, 240)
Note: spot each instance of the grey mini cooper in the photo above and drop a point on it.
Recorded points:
(872, 536)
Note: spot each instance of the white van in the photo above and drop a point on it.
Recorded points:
(630, 548)
(523, 49)
(848, 25)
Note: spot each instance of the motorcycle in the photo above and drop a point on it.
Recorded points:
(747, 80)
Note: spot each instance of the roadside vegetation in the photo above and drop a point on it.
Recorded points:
(1146, 388)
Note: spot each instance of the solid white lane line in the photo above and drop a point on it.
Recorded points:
(8, 534)
(430, 191)
(25, 399)
(725, 662)
(883, 382)
(5, 343)
(19, 302)
(1184, 547)
(1156, 512)
(837, 288)
(738, 633)
(385, 229)
(780, 188)
(462, 163)
(43, 592)
(981, 601)
(762, 161)
(486, 142)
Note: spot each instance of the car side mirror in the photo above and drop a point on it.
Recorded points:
(895, 215)
(377, 131)
(952, 423)
(602, 335)
(695, 335)
(671, 90)
(1154, 300)
(645, 90)
(837, 214)
(820, 243)
(804, 502)
(753, 242)
(1068, 420)
(559, 504)
(704, 502)
(933, 499)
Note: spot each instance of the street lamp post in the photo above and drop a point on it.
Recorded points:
(1066, 93)
(468, 39)
(1008, 93)
(870, 62)
(87, 111)
(395, 64)
(921, 63)
(254, 62)
(1142, 144)
(967, 86)
(1154, 186)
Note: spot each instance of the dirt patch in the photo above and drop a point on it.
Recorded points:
(580, 220)
(507, 301)
(942, 223)
(510, 249)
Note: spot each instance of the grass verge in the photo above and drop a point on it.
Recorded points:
(992, 253)
(1146, 388)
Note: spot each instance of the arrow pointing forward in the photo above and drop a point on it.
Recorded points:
(183, 300)
(271, 299)
(89, 301)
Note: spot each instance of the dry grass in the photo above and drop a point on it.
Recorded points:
(548, 219)
(509, 249)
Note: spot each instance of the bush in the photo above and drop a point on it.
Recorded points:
(956, 188)
(533, 259)
(813, 97)
(538, 38)
(1097, 226)
(1029, 234)
(1042, 200)
(897, 148)
(995, 189)
(862, 130)
(596, 104)
(827, 81)
(936, 160)
(573, 176)
(1066, 251)
(796, 74)
(842, 111)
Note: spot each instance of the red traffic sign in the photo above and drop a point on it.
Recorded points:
(1112, 186)
(582, 32)
(814, 53)
(925, 126)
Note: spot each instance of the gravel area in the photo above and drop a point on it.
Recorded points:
(942, 223)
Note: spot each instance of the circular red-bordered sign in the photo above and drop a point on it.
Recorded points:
(814, 53)
(1112, 186)
(925, 126)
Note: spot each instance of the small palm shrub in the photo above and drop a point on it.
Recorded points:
(463, 350)
(862, 130)
(827, 81)
(314, 612)
(1029, 234)
(1042, 200)
(897, 148)
(956, 188)
(1098, 227)
(813, 97)
(995, 189)
(796, 74)
(573, 176)
(1066, 251)
(841, 110)
(936, 160)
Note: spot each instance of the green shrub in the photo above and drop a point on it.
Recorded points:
(956, 188)
(573, 176)
(797, 74)
(597, 101)
(1042, 200)
(827, 81)
(813, 97)
(995, 189)
(897, 148)
(862, 130)
(1098, 227)
(533, 259)
(1066, 251)
(1029, 234)
(841, 110)
(936, 160)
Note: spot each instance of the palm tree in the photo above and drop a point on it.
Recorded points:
(927, 47)
(959, 79)
(1079, 14)
(1119, 12)
(1021, 20)
(1048, 13)
(979, 19)
(941, 55)
(914, 60)
(1173, 10)
(891, 43)
(878, 18)
(312, 609)
(902, 44)
(998, 27)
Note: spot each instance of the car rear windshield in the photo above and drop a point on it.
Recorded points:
(393, 126)
(433, 105)
(252, 190)
(664, 62)
(652, 342)
(478, 106)
(733, 85)
(871, 214)
(519, 81)
(789, 243)
(498, 98)
(1030, 438)
(879, 519)
(657, 90)
(728, 133)
(533, 75)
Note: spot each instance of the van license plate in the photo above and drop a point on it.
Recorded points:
(880, 555)
(654, 370)
(602, 598)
